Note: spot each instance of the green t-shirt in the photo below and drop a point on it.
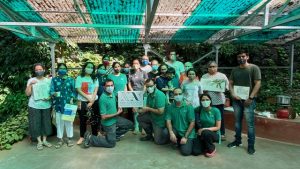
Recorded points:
(181, 117)
(245, 76)
(107, 105)
(157, 100)
(209, 119)
(87, 86)
(119, 82)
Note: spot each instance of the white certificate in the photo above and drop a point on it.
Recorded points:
(41, 90)
(215, 85)
(130, 99)
(242, 92)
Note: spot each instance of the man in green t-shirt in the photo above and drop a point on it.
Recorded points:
(244, 84)
(180, 123)
(152, 118)
(110, 120)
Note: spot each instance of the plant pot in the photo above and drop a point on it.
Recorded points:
(283, 100)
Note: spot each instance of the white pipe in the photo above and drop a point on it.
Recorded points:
(52, 54)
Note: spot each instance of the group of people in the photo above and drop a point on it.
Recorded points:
(176, 108)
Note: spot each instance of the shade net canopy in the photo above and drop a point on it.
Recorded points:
(153, 21)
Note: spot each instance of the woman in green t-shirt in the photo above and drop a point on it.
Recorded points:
(208, 123)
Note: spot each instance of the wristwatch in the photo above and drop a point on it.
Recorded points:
(251, 98)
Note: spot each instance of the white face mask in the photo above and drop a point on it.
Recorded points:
(150, 89)
(206, 103)
(178, 98)
(110, 89)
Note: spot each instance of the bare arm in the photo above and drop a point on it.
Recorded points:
(191, 126)
(256, 88)
(108, 116)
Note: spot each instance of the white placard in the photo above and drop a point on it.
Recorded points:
(130, 99)
(242, 92)
(41, 90)
(215, 85)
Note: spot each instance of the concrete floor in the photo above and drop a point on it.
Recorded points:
(130, 153)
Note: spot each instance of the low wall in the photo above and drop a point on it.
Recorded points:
(275, 129)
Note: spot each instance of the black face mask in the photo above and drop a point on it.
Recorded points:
(242, 61)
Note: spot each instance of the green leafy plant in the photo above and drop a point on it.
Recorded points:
(13, 130)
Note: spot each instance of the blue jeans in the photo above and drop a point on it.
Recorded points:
(239, 111)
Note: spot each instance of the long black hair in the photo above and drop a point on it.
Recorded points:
(93, 75)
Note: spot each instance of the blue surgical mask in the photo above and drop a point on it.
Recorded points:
(88, 71)
(145, 62)
(206, 103)
(101, 71)
(155, 67)
(62, 72)
(125, 70)
(178, 98)
(110, 89)
(150, 89)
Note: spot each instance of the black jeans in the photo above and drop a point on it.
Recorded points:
(205, 142)
(94, 119)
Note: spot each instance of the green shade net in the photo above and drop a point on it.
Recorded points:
(267, 35)
(225, 12)
(22, 5)
(98, 8)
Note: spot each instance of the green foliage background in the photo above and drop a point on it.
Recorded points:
(17, 58)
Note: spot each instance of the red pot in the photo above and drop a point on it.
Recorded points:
(282, 113)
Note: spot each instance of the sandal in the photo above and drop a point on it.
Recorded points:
(40, 146)
(70, 143)
(47, 144)
(59, 144)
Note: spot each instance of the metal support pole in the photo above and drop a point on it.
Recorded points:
(292, 64)
(267, 13)
(52, 54)
(217, 47)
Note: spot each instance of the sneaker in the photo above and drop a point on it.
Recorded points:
(251, 150)
(213, 153)
(147, 138)
(234, 144)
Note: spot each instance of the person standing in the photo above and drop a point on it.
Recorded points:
(248, 77)
(154, 72)
(177, 65)
(136, 80)
(180, 119)
(145, 64)
(218, 98)
(63, 92)
(87, 85)
(119, 79)
(191, 88)
(39, 107)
